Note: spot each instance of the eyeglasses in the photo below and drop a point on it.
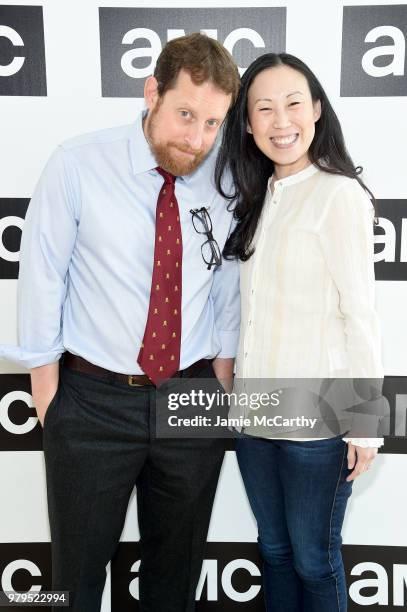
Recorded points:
(203, 225)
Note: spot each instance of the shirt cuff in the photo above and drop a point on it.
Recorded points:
(29, 359)
(365, 442)
(228, 342)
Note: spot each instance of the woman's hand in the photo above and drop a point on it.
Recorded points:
(360, 459)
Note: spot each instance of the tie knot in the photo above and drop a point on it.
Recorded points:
(167, 176)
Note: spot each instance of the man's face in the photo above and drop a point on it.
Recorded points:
(182, 125)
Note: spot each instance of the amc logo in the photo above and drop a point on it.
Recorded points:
(376, 576)
(131, 39)
(395, 389)
(12, 215)
(374, 51)
(230, 578)
(25, 567)
(19, 426)
(391, 240)
(22, 52)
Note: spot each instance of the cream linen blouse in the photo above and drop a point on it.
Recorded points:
(308, 291)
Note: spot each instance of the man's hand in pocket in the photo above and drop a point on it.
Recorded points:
(44, 385)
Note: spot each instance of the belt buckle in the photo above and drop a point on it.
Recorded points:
(131, 381)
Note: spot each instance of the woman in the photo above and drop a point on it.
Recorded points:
(304, 237)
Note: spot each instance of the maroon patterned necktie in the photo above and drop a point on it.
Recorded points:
(159, 355)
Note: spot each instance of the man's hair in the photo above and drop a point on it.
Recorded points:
(203, 58)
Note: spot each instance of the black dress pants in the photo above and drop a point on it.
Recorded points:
(99, 442)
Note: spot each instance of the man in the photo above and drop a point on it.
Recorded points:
(117, 293)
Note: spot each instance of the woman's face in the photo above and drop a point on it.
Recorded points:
(282, 118)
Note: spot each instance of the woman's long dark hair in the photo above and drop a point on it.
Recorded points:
(251, 169)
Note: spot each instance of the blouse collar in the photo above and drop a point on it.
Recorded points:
(298, 177)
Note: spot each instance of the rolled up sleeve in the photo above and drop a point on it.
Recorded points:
(47, 242)
(365, 442)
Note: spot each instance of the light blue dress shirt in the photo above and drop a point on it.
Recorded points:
(87, 256)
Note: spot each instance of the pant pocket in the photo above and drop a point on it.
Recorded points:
(51, 406)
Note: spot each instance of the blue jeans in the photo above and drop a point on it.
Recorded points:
(298, 493)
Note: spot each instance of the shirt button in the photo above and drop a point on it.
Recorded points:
(250, 322)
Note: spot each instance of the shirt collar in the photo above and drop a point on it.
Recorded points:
(293, 178)
(142, 159)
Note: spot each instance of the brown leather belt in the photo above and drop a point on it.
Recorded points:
(74, 362)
